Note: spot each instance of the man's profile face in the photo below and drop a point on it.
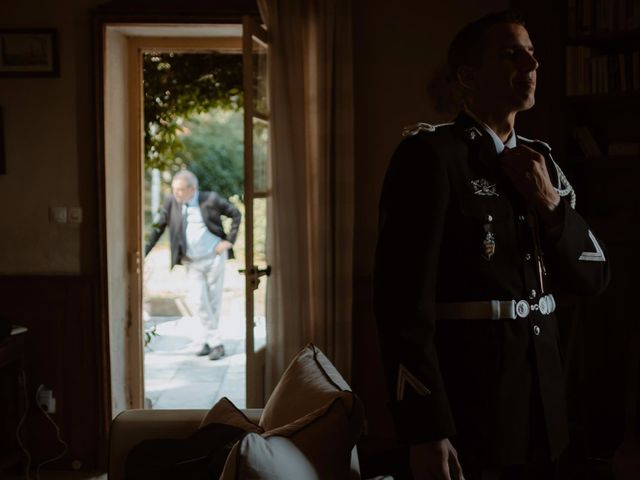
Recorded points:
(182, 191)
(506, 76)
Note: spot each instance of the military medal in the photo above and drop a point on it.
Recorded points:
(489, 241)
(484, 188)
(488, 245)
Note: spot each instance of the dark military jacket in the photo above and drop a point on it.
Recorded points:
(489, 385)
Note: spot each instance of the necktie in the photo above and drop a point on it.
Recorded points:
(185, 210)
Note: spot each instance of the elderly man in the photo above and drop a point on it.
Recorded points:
(199, 242)
(466, 321)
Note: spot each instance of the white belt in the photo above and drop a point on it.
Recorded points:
(495, 309)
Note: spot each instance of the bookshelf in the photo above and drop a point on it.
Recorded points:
(602, 89)
(589, 81)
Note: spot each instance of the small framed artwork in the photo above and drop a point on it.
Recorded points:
(29, 53)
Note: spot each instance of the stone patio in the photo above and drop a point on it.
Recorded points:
(174, 376)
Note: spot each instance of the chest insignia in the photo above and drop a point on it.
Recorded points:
(489, 240)
(473, 133)
(488, 245)
(483, 188)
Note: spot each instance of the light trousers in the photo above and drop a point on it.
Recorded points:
(206, 284)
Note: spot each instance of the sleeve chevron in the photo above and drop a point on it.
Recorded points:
(407, 378)
(595, 256)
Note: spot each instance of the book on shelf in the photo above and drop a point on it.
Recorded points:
(594, 71)
(586, 142)
(589, 17)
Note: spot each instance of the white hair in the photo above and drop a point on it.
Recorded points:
(188, 176)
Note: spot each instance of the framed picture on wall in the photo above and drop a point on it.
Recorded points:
(29, 52)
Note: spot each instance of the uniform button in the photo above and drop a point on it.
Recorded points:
(527, 256)
(522, 308)
(521, 218)
(536, 330)
(532, 294)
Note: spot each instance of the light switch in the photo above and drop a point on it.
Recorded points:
(75, 215)
(58, 214)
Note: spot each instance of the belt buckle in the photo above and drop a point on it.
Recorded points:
(543, 305)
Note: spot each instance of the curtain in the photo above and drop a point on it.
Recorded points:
(311, 230)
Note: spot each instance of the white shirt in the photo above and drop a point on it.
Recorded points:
(200, 241)
(510, 143)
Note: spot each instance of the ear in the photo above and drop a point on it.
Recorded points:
(466, 77)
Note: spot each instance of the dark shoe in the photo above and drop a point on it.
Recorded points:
(217, 352)
(205, 350)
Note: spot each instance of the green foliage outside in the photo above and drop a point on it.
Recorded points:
(213, 150)
(178, 87)
(193, 119)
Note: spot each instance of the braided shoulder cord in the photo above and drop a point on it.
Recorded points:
(564, 188)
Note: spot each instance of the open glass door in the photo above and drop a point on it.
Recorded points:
(257, 192)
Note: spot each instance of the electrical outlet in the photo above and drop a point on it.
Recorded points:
(58, 214)
(46, 400)
(75, 215)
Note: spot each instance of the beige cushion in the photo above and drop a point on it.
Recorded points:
(312, 422)
(309, 383)
(315, 446)
(227, 413)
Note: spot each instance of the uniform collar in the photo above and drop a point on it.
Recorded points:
(500, 146)
(481, 139)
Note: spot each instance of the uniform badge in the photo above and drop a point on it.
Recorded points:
(484, 188)
(473, 133)
(489, 241)
(488, 245)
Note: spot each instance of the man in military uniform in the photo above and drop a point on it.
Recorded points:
(467, 326)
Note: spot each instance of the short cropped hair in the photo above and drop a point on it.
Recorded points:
(188, 176)
(468, 45)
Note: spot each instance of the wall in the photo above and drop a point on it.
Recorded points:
(117, 208)
(49, 150)
(397, 48)
(48, 272)
(62, 353)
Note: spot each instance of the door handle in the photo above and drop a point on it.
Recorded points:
(264, 271)
(261, 272)
(255, 273)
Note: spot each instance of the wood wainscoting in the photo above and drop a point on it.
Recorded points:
(64, 353)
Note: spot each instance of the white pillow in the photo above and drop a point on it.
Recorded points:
(275, 458)
(316, 446)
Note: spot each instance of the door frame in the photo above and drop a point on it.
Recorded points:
(103, 17)
(136, 47)
(255, 360)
